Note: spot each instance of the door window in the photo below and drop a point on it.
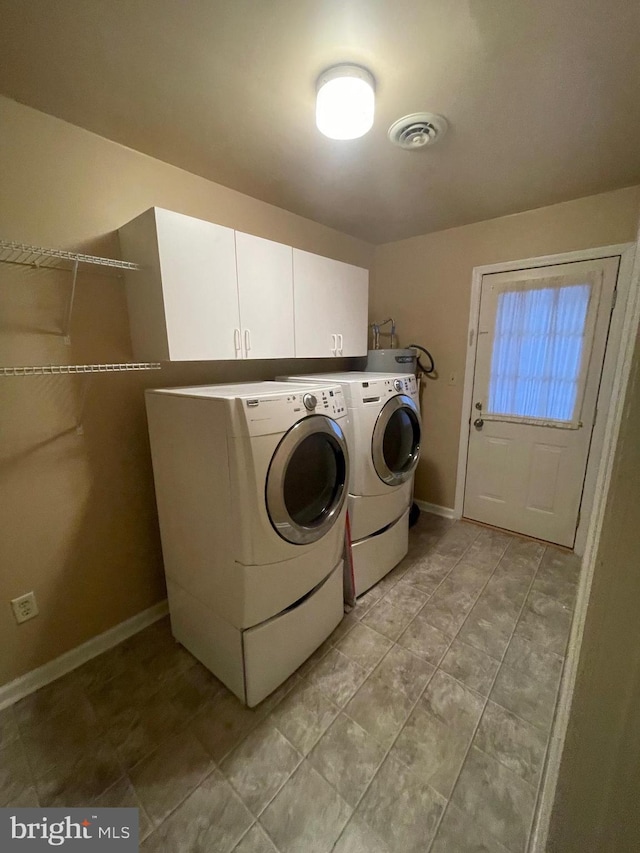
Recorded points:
(395, 444)
(312, 479)
(399, 442)
(537, 370)
(307, 479)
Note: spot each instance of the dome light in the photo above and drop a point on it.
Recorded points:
(345, 102)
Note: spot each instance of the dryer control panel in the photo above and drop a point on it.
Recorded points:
(266, 414)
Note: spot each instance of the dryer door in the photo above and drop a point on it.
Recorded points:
(395, 444)
(307, 480)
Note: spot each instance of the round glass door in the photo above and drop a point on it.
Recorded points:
(307, 480)
(395, 445)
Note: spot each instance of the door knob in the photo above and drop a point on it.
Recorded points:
(478, 423)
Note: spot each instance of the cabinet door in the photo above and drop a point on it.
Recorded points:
(314, 297)
(352, 306)
(199, 287)
(265, 287)
(330, 299)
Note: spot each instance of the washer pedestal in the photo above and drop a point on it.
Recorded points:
(253, 662)
(375, 556)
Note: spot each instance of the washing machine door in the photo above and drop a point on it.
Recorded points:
(395, 444)
(307, 480)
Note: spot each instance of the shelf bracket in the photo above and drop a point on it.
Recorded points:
(66, 329)
(84, 388)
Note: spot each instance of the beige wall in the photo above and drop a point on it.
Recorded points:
(425, 284)
(78, 514)
(596, 807)
(79, 524)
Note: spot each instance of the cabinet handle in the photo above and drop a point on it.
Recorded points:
(236, 341)
(334, 339)
(340, 345)
(247, 340)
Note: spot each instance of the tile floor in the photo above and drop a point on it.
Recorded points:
(420, 725)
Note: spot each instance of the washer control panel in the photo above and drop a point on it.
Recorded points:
(379, 390)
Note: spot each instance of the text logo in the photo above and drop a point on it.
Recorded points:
(103, 830)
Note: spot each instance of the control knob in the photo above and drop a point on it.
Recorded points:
(397, 384)
(310, 401)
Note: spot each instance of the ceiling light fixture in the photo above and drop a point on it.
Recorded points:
(345, 102)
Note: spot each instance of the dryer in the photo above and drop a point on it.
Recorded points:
(251, 487)
(384, 434)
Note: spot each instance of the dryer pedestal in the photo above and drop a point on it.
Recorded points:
(375, 556)
(371, 513)
(253, 662)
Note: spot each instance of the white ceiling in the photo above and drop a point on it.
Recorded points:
(542, 96)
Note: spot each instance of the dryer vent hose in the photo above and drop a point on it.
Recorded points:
(424, 369)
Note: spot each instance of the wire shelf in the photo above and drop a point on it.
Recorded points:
(56, 369)
(37, 256)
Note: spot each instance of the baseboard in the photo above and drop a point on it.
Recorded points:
(444, 511)
(48, 672)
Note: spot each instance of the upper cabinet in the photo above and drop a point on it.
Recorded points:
(206, 292)
(331, 303)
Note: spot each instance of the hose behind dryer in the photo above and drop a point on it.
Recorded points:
(426, 352)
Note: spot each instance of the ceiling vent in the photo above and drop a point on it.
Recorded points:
(417, 130)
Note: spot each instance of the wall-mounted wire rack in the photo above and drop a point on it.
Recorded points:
(56, 369)
(43, 258)
(84, 370)
(37, 256)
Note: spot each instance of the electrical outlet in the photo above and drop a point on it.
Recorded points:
(25, 607)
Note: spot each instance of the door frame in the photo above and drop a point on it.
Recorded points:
(608, 394)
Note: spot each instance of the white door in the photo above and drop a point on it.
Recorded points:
(541, 341)
(199, 287)
(265, 288)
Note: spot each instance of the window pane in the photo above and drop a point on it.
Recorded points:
(537, 352)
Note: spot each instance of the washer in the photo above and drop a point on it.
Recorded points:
(251, 487)
(384, 434)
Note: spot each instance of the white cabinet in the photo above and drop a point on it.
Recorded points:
(265, 288)
(206, 292)
(331, 303)
(183, 303)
